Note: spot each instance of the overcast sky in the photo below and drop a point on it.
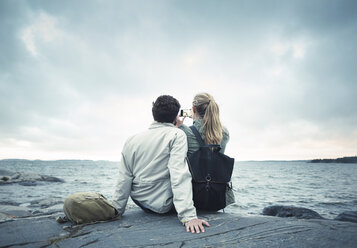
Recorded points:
(77, 78)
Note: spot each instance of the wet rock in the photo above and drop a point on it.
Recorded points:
(350, 216)
(139, 229)
(290, 211)
(25, 178)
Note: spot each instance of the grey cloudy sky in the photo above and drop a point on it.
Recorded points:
(78, 77)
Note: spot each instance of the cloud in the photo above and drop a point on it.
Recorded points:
(77, 79)
(42, 30)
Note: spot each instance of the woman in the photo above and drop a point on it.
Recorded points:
(206, 120)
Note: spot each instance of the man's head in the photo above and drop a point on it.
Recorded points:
(165, 109)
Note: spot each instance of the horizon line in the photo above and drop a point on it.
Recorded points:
(106, 160)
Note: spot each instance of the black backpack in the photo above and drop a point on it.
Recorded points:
(211, 172)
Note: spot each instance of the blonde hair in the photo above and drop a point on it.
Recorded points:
(208, 110)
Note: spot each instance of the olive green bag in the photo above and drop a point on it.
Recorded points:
(89, 207)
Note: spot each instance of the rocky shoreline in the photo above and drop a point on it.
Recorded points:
(35, 225)
(20, 227)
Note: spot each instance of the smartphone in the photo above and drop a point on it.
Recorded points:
(186, 113)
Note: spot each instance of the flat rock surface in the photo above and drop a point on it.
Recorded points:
(139, 229)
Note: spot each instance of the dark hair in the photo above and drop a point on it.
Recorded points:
(165, 109)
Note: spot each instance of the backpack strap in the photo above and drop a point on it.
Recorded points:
(198, 136)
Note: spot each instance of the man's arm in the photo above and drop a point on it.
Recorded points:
(123, 187)
(181, 184)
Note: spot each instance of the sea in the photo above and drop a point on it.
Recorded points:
(327, 188)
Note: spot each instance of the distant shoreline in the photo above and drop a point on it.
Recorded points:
(344, 160)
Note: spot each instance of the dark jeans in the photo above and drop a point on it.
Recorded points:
(147, 210)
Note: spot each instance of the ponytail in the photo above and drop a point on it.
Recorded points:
(208, 110)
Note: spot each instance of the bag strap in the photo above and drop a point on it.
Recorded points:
(198, 136)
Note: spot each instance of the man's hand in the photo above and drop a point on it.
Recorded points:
(195, 225)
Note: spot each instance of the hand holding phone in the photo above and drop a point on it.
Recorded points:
(186, 113)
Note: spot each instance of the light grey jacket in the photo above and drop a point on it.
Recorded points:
(154, 171)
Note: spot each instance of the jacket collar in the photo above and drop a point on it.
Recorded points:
(198, 123)
(156, 124)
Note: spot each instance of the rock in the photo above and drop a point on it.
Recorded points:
(290, 211)
(31, 183)
(58, 208)
(5, 178)
(25, 178)
(15, 211)
(47, 206)
(55, 209)
(46, 203)
(51, 179)
(5, 217)
(9, 203)
(30, 232)
(347, 216)
(139, 229)
(5, 173)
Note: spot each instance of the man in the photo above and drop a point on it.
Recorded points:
(154, 171)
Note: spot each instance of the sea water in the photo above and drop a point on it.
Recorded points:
(328, 189)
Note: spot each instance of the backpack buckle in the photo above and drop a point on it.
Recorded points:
(208, 178)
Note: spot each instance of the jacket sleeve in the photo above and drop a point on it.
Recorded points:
(123, 187)
(181, 178)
